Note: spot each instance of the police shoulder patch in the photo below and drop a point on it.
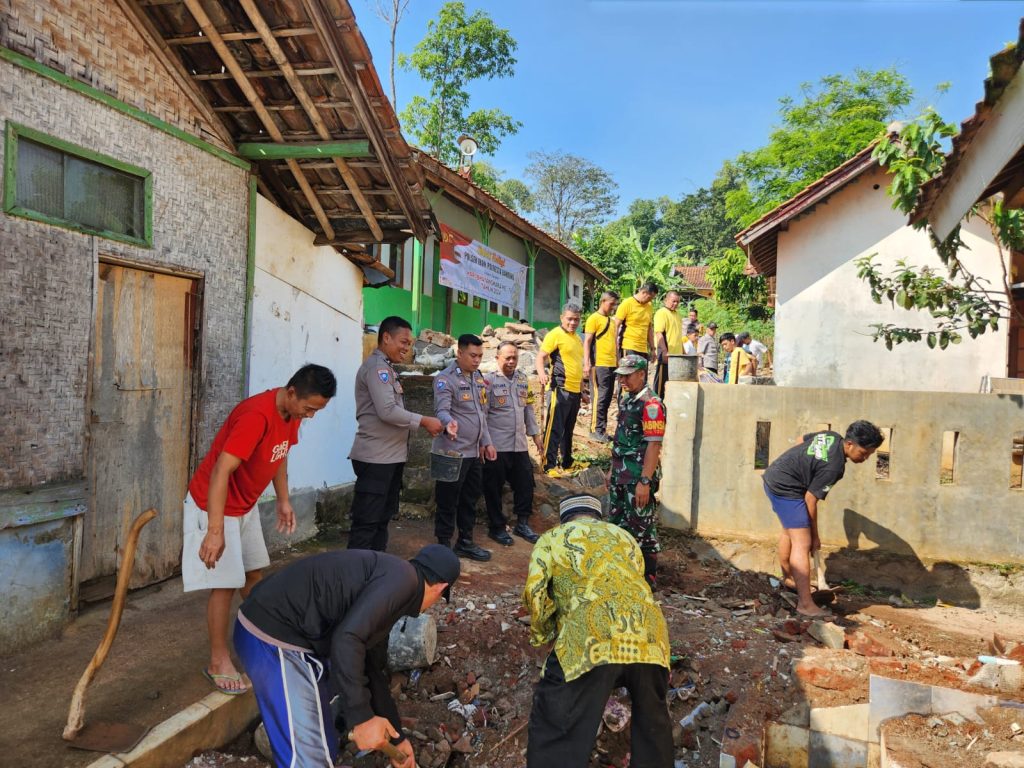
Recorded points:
(384, 375)
(440, 383)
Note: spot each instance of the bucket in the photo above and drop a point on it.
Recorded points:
(682, 367)
(445, 467)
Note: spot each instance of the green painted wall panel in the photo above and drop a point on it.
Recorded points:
(379, 303)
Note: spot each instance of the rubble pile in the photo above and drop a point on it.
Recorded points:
(526, 338)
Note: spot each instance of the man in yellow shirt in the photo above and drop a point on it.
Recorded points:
(634, 315)
(599, 363)
(586, 593)
(563, 349)
(668, 338)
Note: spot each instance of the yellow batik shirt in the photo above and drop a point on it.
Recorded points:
(586, 591)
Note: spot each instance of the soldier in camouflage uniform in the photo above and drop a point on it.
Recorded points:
(636, 450)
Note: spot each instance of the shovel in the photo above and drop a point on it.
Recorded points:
(100, 736)
(823, 595)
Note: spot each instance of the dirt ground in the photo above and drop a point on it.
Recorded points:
(740, 658)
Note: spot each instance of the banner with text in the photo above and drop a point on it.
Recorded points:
(481, 271)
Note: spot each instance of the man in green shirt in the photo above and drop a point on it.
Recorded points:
(586, 592)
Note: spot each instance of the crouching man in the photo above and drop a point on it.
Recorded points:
(320, 627)
(586, 592)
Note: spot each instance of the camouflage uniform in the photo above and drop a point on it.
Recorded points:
(641, 421)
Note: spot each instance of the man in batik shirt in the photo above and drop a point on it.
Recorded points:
(636, 450)
(586, 592)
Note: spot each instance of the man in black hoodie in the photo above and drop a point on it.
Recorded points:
(320, 627)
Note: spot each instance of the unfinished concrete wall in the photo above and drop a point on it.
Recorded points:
(307, 308)
(909, 509)
(824, 312)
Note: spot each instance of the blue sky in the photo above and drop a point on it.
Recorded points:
(661, 92)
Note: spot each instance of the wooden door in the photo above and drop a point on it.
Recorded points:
(140, 414)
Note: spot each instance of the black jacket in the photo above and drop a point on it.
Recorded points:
(342, 605)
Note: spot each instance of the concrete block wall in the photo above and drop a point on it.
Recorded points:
(94, 42)
(711, 484)
(200, 218)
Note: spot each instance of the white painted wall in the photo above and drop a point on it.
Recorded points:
(575, 278)
(824, 312)
(307, 308)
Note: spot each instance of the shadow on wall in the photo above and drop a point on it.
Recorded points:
(893, 564)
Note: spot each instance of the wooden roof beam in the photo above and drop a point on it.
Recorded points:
(284, 107)
(196, 9)
(313, 71)
(312, 111)
(306, 151)
(327, 27)
(278, 33)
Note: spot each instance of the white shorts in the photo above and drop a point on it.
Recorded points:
(244, 549)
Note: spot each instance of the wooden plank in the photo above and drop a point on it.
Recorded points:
(239, 75)
(138, 456)
(303, 151)
(310, 71)
(336, 104)
(278, 33)
(311, 111)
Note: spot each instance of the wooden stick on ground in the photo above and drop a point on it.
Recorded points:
(513, 733)
(76, 713)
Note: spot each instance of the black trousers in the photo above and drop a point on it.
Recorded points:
(374, 503)
(563, 408)
(660, 377)
(516, 468)
(602, 391)
(456, 502)
(565, 716)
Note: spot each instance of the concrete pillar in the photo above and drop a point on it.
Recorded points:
(680, 455)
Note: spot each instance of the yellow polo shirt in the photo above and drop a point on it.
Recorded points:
(604, 355)
(669, 322)
(566, 351)
(637, 318)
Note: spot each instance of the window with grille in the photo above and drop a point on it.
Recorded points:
(55, 182)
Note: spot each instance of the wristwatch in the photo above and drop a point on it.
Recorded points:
(645, 480)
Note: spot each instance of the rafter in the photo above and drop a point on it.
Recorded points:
(284, 107)
(311, 111)
(239, 75)
(278, 33)
(315, 70)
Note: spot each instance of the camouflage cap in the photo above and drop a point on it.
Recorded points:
(631, 364)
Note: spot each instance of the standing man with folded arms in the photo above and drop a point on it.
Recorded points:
(635, 316)
(223, 546)
(563, 349)
(381, 445)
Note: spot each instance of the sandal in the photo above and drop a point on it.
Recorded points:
(214, 679)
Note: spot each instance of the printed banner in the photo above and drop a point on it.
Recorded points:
(481, 271)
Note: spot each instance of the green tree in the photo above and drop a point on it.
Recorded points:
(457, 50)
(830, 122)
(699, 219)
(571, 193)
(512, 192)
(733, 287)
(627, 261)
(958, 301)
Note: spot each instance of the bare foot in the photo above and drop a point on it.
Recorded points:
(789, 584)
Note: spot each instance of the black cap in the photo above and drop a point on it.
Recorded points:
(439, 565)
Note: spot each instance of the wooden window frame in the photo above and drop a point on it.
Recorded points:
(14, 132)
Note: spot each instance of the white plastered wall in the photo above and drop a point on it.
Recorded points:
(824, 311)
(307, 308)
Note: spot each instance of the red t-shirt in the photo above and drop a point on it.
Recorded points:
(255, 433)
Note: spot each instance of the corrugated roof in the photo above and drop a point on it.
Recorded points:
(695, 277)
(471, 195)
(1004, 66)
(760, 239)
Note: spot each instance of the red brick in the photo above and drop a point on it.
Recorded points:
(866, 645)
(832, 673)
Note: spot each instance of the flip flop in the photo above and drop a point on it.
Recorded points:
(227, 691)
(824, 614)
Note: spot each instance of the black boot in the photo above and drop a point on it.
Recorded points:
(524, 531)
(472, 551)
(651, 568)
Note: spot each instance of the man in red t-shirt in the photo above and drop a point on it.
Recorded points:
(223, 539)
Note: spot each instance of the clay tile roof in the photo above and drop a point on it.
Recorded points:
(695, 277)
(760, 239)
(1004, 67)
